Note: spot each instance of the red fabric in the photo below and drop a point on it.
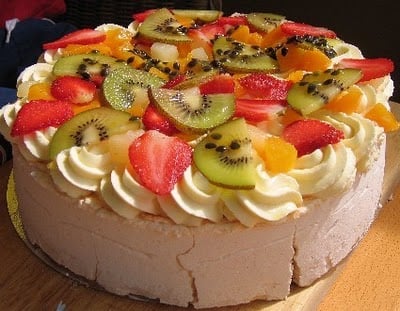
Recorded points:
(23, 9)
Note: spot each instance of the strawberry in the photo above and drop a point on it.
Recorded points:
(232, 21)
(207, 32)
(371, 68)
(73, 89)
(40, 114)
(153, 120)
(308, 135)
(257, 110)
(140, 17)
(159, 160)
(265, 86)
(82, 36)
(220, 84)
(300, 29)
(170, 84)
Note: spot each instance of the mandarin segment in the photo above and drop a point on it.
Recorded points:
(40, 91)
(279, 156)
(383, 117)
(348, 101)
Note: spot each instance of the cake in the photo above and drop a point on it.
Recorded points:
(200, 159)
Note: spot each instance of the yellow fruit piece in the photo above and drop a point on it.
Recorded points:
(296, 76)
(383, 117)
(290, 116)
(73, 49)
(40, 91)
(243, 34)
(279, 156)
(184, 20)
(95, 103)
(347, 101)
(273, 38)
(157, 72)
(294, 57)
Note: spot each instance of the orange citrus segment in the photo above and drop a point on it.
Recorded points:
(273, 38)
(383, 117)
(73, 49)
(290, 116)
(294, 57)
(40, 91)
(243, 34)
(279, 156)
(80, 108)
(347, 101)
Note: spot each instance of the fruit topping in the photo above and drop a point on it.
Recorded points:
(153, 120)
(264, 22)
(308, 135)
(90, 127)
(39, 114)
(371, 68)
(257, 110)
(263, 85)
(317, 89)
(82, 36)
(159, 160)
(205, 16)
(126, 87)
(73, 89)
(219, 84)
(294, 29)
(240, 57)
(225, 157)
(161, 25)
(92, 66)
(192, 112)
(383, 117)
(279, 155)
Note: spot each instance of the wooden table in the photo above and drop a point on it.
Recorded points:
(368, 280)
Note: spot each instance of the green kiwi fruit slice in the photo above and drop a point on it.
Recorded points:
(86, 65)
(224, 156)
(192, 112)
(317, 89)
(162, 26)
(123, 86)
(240, 57)
(264, 22)
(206, 16)
(90, 127)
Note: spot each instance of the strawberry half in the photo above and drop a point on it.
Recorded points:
(153, 120)
(371, 68)
(308, 135)
(300, 29)
(220, 84)
(265, 86)
(82, 36)
(40, 114)
(73, 89)
(159, 160)
(257, 110)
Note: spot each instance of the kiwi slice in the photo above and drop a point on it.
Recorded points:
(86, 65)
(192, 112)
(162, 26)
(264, 22)
(317, 89)
(196, 79)
(224, 156)
(90, 127)
(206, 16)
(123, 86)
(240, 57)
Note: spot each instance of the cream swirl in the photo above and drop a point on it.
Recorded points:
(361, 135)
(273, 198)
(326, 171)
(8, 113)
(83, 167)
(344, 50)
(35, 146)
(128, 194)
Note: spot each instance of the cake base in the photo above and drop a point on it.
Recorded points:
(213, 265)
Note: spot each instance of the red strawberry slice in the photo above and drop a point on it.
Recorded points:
(232, 20)
(308, 135)
(153, 120)
(82, 36)
(159, 160)
(265, 86)
(140, 17)
(40, 114)
(300, 29)
(220, 84)
(174, 81)
(207, 32)
(371, 68)
(73, 89)
(257, 110)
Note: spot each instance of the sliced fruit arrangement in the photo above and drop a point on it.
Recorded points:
(198, 76)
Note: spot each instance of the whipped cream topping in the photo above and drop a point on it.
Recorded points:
(35, 146)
